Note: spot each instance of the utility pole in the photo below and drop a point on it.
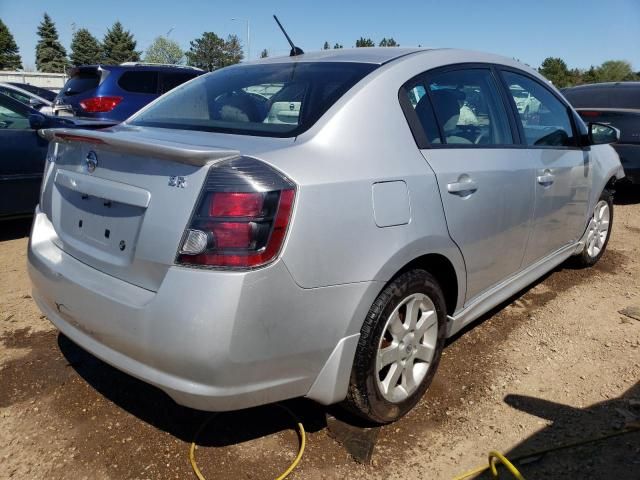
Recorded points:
(248, 35)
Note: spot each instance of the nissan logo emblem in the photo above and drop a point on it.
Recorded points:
(91, 161)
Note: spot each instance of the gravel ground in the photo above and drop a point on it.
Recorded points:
(556, 364)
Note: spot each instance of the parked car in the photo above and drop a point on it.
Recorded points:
(234, 258)
(616, 104)
(45, 93)
(27, 98)
(23, 152)
(115, 92)
(525, 102)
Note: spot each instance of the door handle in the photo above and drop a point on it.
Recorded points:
(463, 189)
(546, 178)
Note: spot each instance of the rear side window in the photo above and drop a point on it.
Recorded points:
(139, 82)
(621, 96)
(81, 82)
(466, 105)
(169, 81)
(545, 119)
(277, 100)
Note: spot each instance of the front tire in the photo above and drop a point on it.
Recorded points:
(598, 232)
(400, 346)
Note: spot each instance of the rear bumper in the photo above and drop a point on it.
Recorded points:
(211, 340)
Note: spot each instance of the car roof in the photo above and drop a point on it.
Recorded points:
(375, 55)
(21, 90)
(605, 85)
(139, 67)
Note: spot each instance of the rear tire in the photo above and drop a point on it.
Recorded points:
(400, 346)
(599, 231)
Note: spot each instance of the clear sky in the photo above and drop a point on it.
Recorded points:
(583, 32)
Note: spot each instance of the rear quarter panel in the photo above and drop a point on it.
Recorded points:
(363, 139)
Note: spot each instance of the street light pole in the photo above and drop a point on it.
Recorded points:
(248, 35)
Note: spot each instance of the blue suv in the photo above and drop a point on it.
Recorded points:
(115, 92)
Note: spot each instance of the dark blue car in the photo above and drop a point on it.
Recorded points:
(115, 92)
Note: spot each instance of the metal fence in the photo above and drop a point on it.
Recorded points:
(52, 81)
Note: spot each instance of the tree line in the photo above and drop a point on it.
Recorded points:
(118, 45)
(211, 52)
(556, 70)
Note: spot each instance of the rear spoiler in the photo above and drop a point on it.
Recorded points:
(197, 155)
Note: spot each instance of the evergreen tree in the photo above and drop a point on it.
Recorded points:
(556, 70)
(590, 76)
(50, 54)
(388, 42)
(119, 46)
(264, 53)
(364, 42)
(9, 56)
(326, 46)
(211, 52)
(337, 46)
(164, 50)
(85, 48)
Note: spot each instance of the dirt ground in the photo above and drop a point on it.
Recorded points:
(555, 365)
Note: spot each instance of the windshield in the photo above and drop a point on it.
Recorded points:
(277, 100)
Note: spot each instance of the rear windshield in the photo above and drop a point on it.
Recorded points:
(604, 97)
(276, 100)
(81, 81)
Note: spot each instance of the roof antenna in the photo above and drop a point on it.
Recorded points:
(295, 51)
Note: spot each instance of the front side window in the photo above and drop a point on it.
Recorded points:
(466, 106)
(278, 100)
(11, 118)
(545, 119)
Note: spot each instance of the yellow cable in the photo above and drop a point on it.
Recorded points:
(513, 470)
(497, 456)
(294, 464)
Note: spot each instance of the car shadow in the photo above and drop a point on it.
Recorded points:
(611, 428)
(153, 406)
(627, 194)
(15, 228)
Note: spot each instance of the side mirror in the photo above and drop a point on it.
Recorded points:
(38, 121)
(599, 133)
(35, 103)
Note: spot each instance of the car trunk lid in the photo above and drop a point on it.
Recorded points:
(120, 203)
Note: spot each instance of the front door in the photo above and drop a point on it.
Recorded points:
(563, 170)
(21, 162)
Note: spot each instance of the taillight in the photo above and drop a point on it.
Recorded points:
(100, 104)
(241, 218)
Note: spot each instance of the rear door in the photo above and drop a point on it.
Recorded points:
(563, 171)
(485, 179)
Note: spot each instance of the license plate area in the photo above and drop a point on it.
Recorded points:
(98, 227)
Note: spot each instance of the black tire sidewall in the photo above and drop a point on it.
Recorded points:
(379, 409)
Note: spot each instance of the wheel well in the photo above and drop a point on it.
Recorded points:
(611, 183)
(442, 269)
